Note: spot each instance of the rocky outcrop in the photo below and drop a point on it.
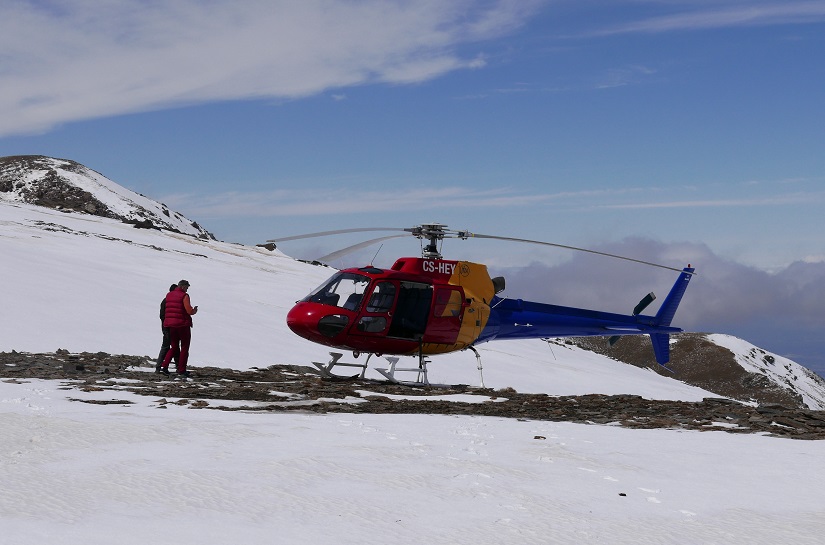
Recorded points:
(34, 179)
(53, 183)
(698, 361)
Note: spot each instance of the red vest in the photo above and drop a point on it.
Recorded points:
(176, 315)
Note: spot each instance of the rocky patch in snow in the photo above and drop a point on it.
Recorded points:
(290, 388)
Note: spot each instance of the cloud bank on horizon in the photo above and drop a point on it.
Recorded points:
(783, 309)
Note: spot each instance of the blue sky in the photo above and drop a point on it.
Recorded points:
(696, 127)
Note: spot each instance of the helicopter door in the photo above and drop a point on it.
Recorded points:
(376, 316)
(410, 318)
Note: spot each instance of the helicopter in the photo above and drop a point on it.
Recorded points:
(428, 305)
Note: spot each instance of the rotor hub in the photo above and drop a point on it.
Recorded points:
(434, 233)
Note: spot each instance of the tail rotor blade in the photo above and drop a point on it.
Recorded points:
(643, 304)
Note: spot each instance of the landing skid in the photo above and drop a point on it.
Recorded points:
(326, 369)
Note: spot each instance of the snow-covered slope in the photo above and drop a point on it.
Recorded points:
(67, 185)
(86, 283)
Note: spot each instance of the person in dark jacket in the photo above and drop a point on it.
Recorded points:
(178, 318)
(164, 347)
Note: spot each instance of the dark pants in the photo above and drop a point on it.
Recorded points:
(179, 338)
(164, 348)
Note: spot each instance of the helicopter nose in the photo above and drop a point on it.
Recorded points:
(315, 322)
(302, 321)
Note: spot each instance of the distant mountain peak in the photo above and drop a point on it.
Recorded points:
(66, 185)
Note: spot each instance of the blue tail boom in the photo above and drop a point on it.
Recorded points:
(518, 319)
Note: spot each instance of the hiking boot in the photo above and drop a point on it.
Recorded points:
(184, 374)
(164, 370)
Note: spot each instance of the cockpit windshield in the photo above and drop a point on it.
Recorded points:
(343, 290)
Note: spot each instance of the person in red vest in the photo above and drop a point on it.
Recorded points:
(178, 318)
(166, 344)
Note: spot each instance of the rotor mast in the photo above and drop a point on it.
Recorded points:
(434, 233)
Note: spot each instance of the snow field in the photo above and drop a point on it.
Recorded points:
(177, 475)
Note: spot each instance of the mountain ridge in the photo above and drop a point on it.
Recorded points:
(63, 184)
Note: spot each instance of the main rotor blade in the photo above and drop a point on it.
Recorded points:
(542, 243)
(337, 232)
(349, 249)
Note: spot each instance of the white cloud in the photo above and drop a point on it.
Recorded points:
(626, 75)
(349, 201)
(96, 58)
(769, 200)
(708, 15)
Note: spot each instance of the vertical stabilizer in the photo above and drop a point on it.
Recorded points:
(671, 303)
(661, 341)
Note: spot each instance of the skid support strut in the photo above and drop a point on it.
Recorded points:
(421, 370)
(478, 364)
(325, 369)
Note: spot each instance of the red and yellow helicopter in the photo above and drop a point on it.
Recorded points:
(429, 305)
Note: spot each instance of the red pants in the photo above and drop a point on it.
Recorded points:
(180, 338)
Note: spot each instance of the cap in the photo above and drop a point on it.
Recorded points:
(183, 283)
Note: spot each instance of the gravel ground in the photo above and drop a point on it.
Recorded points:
(290, 388)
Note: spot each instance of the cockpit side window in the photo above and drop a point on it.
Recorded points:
(344, 290)
(382, 298)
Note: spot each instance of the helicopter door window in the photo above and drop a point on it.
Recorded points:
(447, 303)
(380, 303)
(383, 296)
